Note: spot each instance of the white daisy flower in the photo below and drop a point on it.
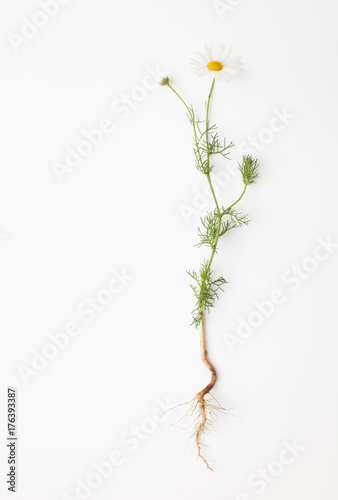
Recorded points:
(216, 63)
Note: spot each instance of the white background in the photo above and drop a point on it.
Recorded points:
(121, 208)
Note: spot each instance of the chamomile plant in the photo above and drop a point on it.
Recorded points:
(217, 64)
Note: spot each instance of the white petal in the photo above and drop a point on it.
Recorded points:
(221, 52)
(208, 52)
(235, 61)
(200, 70)
(217, 76)
(200, 57)
(226, 53)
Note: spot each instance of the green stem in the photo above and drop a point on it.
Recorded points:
(207, 174)
(235, 203)
(180, 98)
(213, 192)
(207, 118)
(191, 116)
(209, 178)
(219, 216)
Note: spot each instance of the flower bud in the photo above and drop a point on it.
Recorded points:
(164, 81)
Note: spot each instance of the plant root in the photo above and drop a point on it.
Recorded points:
(204, 406)
(204, 410)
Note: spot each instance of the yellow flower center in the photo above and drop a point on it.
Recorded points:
(214, 66)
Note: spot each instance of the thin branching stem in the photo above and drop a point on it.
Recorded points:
(192, 120)
(205, 287)
(207, 118)
(219, 216)
(226, 211)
